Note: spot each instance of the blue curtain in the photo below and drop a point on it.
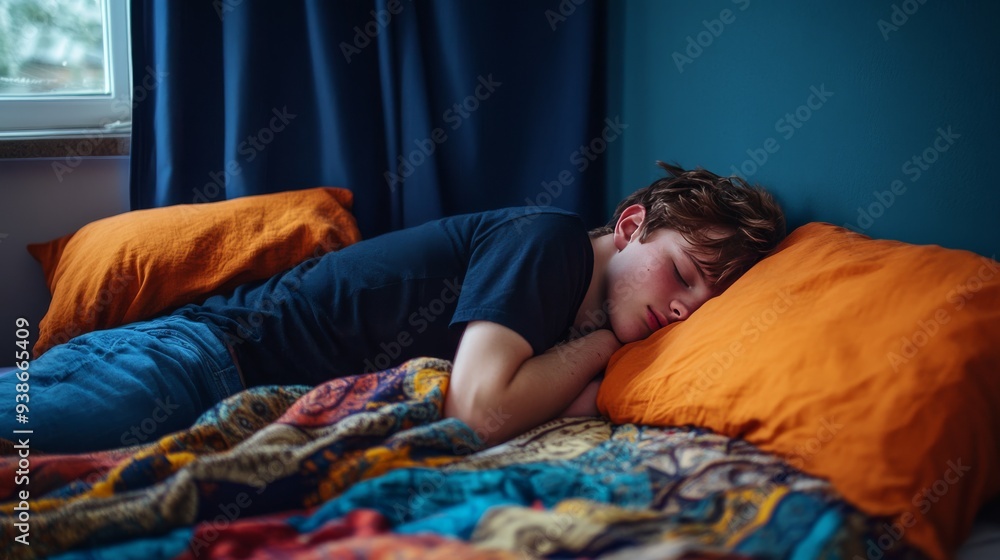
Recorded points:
(422, 108)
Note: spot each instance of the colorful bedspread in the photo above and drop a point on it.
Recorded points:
(364, 467)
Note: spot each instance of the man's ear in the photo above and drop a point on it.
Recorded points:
(629, 225)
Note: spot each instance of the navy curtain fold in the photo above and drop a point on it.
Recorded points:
(422, 109)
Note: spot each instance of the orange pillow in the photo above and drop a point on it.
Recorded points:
(137, 265)
(874, 364)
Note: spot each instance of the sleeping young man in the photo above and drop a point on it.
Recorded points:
(495, 291)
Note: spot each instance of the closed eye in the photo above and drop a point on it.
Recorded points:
(681, 278)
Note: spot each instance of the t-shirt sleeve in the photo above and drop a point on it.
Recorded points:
(529, 274)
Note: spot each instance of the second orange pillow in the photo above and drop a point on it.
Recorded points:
(137, 265)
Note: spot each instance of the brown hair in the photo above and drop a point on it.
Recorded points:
(730, 223)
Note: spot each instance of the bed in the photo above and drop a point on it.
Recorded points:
(365, 467)
(712, 443)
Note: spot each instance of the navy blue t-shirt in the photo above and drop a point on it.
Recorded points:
(406, 294)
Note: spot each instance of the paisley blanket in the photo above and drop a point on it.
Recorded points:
(365, 467)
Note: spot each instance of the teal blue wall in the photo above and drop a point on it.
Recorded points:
(891, 92)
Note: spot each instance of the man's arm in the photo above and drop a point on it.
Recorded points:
(585, 404)
(501, 391)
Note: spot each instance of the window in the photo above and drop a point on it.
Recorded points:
(64, 67)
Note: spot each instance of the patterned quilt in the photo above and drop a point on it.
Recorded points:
(365, 467)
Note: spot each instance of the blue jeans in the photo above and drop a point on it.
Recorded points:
(121, 386)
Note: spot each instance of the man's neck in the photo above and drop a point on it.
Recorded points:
(593, 311)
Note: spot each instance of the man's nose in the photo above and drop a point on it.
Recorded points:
(679, 310)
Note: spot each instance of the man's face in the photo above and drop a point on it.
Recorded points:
(652, 284)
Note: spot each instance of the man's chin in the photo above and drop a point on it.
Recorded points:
(633, 335)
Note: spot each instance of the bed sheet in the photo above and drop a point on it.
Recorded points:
(365, 467)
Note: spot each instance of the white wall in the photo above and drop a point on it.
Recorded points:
(37, 204)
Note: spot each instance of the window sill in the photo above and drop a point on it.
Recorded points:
(65, 146)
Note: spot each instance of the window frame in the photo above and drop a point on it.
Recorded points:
(65, 115)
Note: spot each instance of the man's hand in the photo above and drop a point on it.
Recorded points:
(499, 390)
(585, 403)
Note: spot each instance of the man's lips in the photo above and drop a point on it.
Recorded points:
(652, 321)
